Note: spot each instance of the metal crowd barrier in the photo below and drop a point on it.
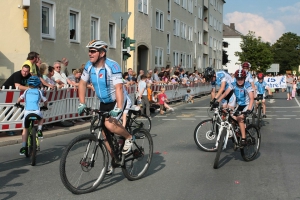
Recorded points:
(63, 102)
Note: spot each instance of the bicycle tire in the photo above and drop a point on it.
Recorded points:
(73, 163)
(259, 117)
(220, 147)
(33, 147)
(209, 136)
(138, 160)
(140, 118)
(253, 138)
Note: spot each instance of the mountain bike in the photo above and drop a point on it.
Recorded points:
(77, 165)
(258, 117)
(230, 129)
(32, 144)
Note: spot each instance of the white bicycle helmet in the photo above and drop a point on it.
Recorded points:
(98, 44)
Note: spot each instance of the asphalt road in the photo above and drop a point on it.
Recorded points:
(179, 170)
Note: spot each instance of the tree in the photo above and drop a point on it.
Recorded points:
(287, 52)
(224, 57)
(256, 52)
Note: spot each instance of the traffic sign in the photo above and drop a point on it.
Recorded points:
(121, 19)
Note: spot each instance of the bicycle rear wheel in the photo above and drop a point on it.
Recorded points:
(220, 147)
(205, 135)
(253, 138)
(32, 147)
(140, 121)
(77, 165)
(138, 160)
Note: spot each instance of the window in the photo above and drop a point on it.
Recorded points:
(190, 33)
(199, 37)
(176, 28)
(195, 3)
(158, 57)
(177, 1)
(95, 27)
(211, 20)
(183, 30)
(189, 61)
(190, 6)
(183, 63)
(199, 62)
(112, 34)
(143, 6)
(176, 58)
(215, 24)
(184, 4)
(159, 18)
(74, 26)
(48, 20)
(210, 41)
(168, 43)
(195, 24)
(200, 12)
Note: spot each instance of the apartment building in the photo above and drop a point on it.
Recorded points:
(174, 32)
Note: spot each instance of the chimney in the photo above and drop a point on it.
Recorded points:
(232, 26)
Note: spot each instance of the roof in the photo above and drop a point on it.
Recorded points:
(229, 31)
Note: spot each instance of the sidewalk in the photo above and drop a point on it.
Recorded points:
(52, 132)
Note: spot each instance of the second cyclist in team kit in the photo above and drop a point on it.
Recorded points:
(261, 87)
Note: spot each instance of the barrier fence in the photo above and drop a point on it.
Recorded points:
(62, 103)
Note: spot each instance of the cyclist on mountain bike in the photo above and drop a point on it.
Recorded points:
(32, 98)
(244, 98)
(246, 66)
(223, 80)
(106, 76)
(261, 87)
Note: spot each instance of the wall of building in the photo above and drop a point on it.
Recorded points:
(234, 46)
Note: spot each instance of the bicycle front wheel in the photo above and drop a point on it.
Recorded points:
(220, 147)
(77, 165)
(205, 135)
(138, 160)
(253, 140)
(140, 121)
(259, 116)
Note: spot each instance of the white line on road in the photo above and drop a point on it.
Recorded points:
(297, 102)
(160, 116)
(285, 107)
(289, 115)
(297, 118)
(267, 118)
(188, 118)
(295, 111)
(201, 116)
(280, 111)
(169, 119)
(283, 118)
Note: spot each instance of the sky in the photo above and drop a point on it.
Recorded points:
(267, 18)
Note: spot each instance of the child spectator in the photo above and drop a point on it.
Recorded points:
(294, 88)
(149, 92)
(188, 97)
(162, 100)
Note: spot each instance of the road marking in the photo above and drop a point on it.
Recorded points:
(289, 115)
(160, 116)
(297, 102)
(267, 118)
(169, 119)
(272, 115)
(297, 118)
(201, 116)
(280, 111)
(188, 118)
(283, 118)
(284, 107)
(295, 111)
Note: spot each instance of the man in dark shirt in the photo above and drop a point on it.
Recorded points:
(18, 79)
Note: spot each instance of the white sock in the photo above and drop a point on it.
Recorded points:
(40, 127)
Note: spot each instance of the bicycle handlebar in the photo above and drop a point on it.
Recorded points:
(18, 105)
(102, 113)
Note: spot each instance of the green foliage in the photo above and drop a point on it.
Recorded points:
(255, 51)
(286, 52)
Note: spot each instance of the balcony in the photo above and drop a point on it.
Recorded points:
(205, 49)
(205, 26)
(205, 3)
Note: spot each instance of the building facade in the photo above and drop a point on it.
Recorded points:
(233, 38)
(172, 32)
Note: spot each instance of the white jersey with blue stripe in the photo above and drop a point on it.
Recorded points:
(241, 93)
(249, 77)
(260, 87)
(222, 76)
(103, 79)
(32, 98)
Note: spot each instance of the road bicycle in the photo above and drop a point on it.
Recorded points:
(230, 129)
(32, 144)
(77, 165)
(257, 119)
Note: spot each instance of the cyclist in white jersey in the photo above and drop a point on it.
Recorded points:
(261, 87)
(244, 98)
(224, 80)
(106, 77)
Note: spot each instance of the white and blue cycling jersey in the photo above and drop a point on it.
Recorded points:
(222, 76)
(33, 97)
(260, 87)
(104, 79)
(241, 93)
(249, 78)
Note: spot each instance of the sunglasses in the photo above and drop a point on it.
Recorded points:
(92, 51)
(57, 67)
(239, 78)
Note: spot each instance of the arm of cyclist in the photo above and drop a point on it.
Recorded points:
(222, 88)
(81, 94)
